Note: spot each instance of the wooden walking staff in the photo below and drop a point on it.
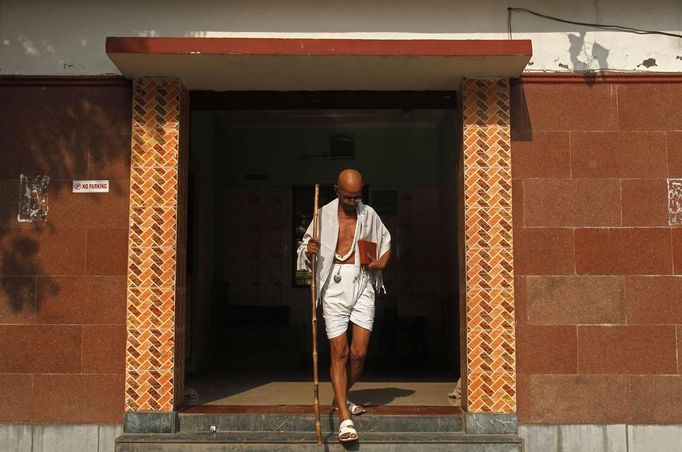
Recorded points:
(313, 294)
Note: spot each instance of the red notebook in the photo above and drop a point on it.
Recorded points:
(366, 247)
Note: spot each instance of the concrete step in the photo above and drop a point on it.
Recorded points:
(286, 422)
(306, 441)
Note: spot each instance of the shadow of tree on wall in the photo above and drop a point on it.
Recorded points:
(583, 55)
(76, 129)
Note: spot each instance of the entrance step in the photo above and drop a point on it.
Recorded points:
(306, 441)
(292, 428)
(304, 422)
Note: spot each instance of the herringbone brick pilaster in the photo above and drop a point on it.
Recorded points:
(491, 347)
(156, 244)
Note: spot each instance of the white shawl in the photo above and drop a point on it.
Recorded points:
(370, 228)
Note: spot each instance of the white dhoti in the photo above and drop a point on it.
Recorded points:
(352, 298)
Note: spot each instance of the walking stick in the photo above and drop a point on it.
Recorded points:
(313, 295)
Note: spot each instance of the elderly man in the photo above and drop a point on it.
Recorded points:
(347, 288)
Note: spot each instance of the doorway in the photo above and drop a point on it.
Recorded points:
(251, 177)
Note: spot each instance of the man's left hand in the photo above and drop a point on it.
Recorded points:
(374, 264)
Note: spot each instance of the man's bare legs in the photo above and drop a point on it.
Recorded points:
(344, 371)
(339, 358)
(358, 353)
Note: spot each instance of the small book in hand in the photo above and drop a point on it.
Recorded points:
(366, 247)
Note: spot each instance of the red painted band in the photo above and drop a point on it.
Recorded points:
(602, 77)
(318, 47)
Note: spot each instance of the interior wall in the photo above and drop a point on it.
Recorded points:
(255, 169)
(63, 281)
(201, 245)
(598, 267)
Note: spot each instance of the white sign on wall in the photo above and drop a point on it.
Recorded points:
(91, 186)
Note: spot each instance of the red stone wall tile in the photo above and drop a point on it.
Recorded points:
(579, 399)
(17, 299)
(60, 154)
(545, 155)
(517, 203)
(571, 202)
(517, 108)
(60, 299)
(42, 251)
(679, 349)
(653, 299)
(520, 300)
(40, 348)
(553, 107)
(627, 349)
(649, 106)
(70, 107)
(677, 250)
(626, 136)
(9, 201)
(107, 251)
(543, 251)
(104, 349)
(79, 399)
(109, 156)
(16, 391)
(623, 251)
(618, 154)
(73, 114)
(542, 349)
(656, 399)
(523, 413)
(674, 141)
(106, 300)
(88, 137)
(571, 300)
(88, 210)
(81, 299)
(645, 202)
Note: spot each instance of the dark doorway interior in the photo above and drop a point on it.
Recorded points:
(252, 172)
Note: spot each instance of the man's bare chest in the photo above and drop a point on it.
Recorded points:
(347, 229)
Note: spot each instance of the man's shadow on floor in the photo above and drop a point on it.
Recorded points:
(378, 396)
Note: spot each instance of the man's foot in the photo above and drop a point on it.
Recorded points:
(347, 432)
(355, 410)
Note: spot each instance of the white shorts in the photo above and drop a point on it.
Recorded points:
(352, 299)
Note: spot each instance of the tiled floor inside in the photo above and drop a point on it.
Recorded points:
(255, 389)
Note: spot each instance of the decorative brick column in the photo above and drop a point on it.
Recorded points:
(490, 339)
(156, 255)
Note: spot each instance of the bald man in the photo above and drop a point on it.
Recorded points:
(347, 288)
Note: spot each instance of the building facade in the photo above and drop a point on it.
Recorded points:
(569, 184)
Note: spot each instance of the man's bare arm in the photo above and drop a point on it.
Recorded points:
(381, 263)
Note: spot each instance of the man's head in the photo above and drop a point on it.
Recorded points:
(349, 189)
